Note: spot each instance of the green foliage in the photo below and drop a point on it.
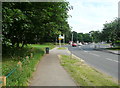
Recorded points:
(87, 37)
(33, 22)
(111, 31)
(96, 36)
(21, 76)
(114, 48)
(43, 46)
(62, 48)
(82, 37)
(75, 36)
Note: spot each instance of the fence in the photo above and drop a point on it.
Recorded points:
(19, 65)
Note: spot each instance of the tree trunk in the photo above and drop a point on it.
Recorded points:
(23, 43)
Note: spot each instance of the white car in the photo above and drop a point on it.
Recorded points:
(79, 44)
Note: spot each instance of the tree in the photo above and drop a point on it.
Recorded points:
(33, 22)
(111, 31)
(96, 36)
(87, 37)
(80, 37)
(75, 36)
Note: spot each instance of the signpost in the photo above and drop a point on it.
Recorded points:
(60, 38)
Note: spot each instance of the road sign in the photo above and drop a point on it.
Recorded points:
(59, 38)
(62, 37)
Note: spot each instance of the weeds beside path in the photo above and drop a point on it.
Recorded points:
(10, 59)
(85, 75)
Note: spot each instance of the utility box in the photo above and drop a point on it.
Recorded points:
(47, 50)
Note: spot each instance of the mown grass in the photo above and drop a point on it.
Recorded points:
(42, 46)
(84, 75)
(62, 48)
(22, 75)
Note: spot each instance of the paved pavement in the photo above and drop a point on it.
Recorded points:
(103, 61)
(114, 51)
(50, 73)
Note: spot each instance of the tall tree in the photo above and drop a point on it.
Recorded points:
(33, 22)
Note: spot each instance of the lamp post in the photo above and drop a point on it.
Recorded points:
(72, 36)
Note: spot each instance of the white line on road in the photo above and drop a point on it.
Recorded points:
(95, 54)
(92, 53)
(116, 61)
(112, 60)
(85, 51)
(109, 59)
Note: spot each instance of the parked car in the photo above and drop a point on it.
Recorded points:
(74, 44)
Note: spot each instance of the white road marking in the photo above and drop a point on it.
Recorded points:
(92, 53)
(99, 56)
(109, 59)
(112, 60)
(116, 61)
(95, 54)
(85, 51)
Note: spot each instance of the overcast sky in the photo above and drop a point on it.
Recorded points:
(90, 15)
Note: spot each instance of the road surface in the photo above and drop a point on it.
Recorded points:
(103, 61)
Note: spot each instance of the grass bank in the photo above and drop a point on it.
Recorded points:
(21, 75)
(84, 75)
(51, 46)
(62, 48)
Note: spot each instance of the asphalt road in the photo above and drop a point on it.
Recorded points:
(102, 61)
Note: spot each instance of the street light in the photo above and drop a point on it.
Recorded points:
(72, 36)
(91, 35)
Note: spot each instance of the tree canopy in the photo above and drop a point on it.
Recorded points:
(39, 22)
(33, 22)
(110, 33)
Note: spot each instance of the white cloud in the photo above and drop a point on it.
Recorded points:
(90, 15)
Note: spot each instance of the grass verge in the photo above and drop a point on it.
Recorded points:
(62, 48)
(22, 74)
(51, 46)
(83, 74)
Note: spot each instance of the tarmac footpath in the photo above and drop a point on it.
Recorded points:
(49, 72)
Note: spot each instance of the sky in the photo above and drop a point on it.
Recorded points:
(88, 15)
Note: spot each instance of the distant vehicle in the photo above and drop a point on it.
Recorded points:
(74, 44)
(79, 44)
(103, 42)
(70, 42)
(85, 43)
